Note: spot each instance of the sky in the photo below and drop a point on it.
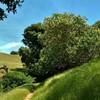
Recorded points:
(34, 11)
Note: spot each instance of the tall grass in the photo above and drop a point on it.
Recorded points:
(81, 83)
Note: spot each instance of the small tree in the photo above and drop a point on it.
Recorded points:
(14, 53)
(26, 56)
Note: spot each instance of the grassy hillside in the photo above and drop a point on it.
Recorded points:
(81, 83)
(15, 94)
(12, 61)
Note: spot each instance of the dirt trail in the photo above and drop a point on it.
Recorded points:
(28, 97)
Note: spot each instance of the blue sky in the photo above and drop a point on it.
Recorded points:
(33, 11)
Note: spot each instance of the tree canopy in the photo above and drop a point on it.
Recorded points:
(96, 24)
(30, 53)
(10, 6)
(61, 42)
(69, 41)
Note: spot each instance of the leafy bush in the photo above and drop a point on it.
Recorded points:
(69, 41)
(14, 79)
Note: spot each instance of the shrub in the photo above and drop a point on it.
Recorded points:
(14, 79)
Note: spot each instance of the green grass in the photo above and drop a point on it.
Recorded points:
(81, 83)
(12, 61)
(15, 94)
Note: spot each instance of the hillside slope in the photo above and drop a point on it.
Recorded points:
(82, 83)
(12, 61)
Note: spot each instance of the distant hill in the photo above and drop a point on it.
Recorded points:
(12, 61)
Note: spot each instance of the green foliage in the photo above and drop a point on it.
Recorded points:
(80, 83)
(31, 87)
(69, 41)
(14, 53)
(96, 24)
(31, 35)
(25, 52)
(30, 54)
(2, 14)
(14, 79)
(61, 42)
(10, 6)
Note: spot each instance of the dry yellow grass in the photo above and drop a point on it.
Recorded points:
(12, 61)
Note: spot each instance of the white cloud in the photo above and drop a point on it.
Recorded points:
(10, 45)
